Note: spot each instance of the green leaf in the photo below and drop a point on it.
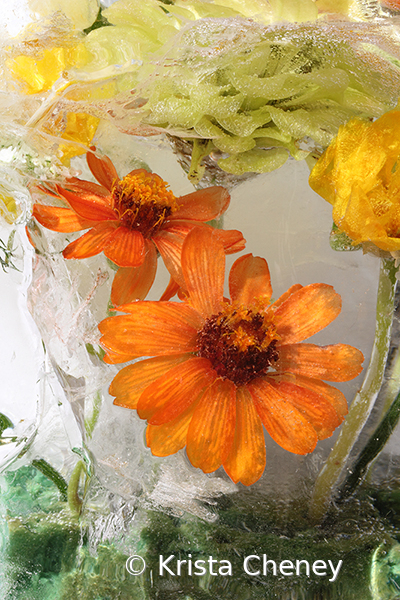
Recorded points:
(375, 444)
(254, 161)
(48, 471)
(340, 241)
(8, 250)
(5, 423)
(93, 352)
(100, 21)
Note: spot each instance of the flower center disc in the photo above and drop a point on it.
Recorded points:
(240, 344)
(143, 202)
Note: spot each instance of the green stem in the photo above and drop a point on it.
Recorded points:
(373, 447)
(393, 383)
(54, 476)
(74, 501)
(387, 420)
(90, 423)
(364, 400)
(201, 149)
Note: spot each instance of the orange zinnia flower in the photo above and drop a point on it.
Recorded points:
(222, 369)
(130, 219)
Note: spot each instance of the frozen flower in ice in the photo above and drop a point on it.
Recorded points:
(8, 207)
(130, 219)
(221, 369)
(359, 174)
(39, 67)
(79, 14)
(80, 128)
(41, 64)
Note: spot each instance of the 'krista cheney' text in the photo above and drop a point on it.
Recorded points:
(253, 565)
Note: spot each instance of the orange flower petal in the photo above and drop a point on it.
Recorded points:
(88, 204)
(179, 310)
(203, 267)
(338, 362)
(171, 394)
(134, 283)
(284, 423)
(29, 236)
(129, 384)
(169, 242)
(152, 329)
(307, 311)
(167, 439)
(103, 169)
(330, 393)
(286, 295)
(203, 205)
(392, 4)
(249, 280)
(60, 219)
(135, 172)
(318, 411)
(171, 290)
(169, 246)
(246, 460)
(126, 248)
(77, 185)
(113, 358)
(181, 227)
(91, 243)
(232, 240)
(212, 428)
(49, 189)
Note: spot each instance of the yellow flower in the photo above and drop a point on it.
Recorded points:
(40, 68)
(8, 207)
(80, 127)
(359, 174)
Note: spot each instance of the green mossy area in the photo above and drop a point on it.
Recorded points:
(248, 526)
(43, 548)
(40, 537)
(45, 553)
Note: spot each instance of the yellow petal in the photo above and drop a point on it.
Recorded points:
(80, 128)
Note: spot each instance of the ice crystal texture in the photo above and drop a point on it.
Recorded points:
(251, 94)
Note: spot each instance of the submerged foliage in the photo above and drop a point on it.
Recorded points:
(223, 73)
